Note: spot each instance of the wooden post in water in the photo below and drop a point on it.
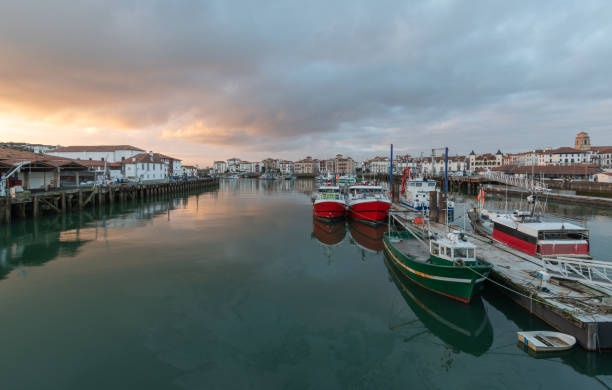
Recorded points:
(63, 202)
(80, 195)
(7, 209)
(35, 207)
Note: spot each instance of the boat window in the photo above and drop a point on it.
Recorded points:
(471, 253)
(432, 184)
(418, 184)
(434, 248)
(461, 252)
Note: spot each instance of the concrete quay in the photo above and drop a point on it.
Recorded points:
(581, 309)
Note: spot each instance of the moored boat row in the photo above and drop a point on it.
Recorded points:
(363, 202)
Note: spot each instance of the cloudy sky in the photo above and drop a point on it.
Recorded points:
(208, 80)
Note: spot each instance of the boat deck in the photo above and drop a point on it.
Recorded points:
(413, 248)
(578, 308)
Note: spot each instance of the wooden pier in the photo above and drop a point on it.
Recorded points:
(61, 201)
(581, 309)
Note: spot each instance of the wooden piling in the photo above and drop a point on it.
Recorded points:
(35, 207)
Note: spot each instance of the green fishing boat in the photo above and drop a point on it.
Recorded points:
(448, 267)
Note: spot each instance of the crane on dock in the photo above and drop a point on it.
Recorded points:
(3, 182)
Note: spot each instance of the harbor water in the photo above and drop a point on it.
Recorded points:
(240, 288)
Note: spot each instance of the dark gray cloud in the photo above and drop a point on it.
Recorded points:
(317, 77)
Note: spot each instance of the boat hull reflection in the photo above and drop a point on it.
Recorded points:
(464, 327)
(367, 236)
(328, 232)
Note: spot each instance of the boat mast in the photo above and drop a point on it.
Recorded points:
(446, 183)
(391, 174)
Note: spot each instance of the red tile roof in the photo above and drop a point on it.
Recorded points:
(95, 148)
(565, 150)
(143, 158)
(574, 169)
(12, 157)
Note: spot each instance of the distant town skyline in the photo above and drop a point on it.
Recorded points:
(206, 81)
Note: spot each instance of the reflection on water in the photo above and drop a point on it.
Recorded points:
(328, 233)
(37, 241)
(367, 236)
(236, 288)
(464, 327)
(583, 362)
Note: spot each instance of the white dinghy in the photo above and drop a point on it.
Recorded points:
(545, 341)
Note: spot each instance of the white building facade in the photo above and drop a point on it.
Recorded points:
(145, 167)
(109, 153)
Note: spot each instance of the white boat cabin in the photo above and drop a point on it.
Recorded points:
(453, 249)
(329, 192)
(416, 193)
(364, 191)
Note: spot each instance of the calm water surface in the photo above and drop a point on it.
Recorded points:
(240, 288)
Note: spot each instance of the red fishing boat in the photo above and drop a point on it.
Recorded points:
(527, 232)
(329, 203)
(368, 203)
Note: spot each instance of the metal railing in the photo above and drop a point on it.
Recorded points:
(521, 182)
(593, 271)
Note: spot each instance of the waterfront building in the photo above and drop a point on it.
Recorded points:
(327, 166)
(480, 162)
(377, 165)
(603, 177)
(145, 167)
(27, 147)
(582, 141)
(39, 172)
(602, 156)
(248, 167)
(233, 165)
(568, 156)
(219, 167)
(286, 167)
(103, 170)
(557, 172)
(190, 171)
(109, 153)
(307, 166)
(271, 164)
(343, 165)
(174, 165)
(456, 165)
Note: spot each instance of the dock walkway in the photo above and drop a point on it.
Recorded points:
(62, 200)
(581, 309)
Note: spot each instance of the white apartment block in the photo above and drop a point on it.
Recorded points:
(233, 165)
(219, 167)
(485, 161)
(248, 167)
(109, 153)
(190, 171)
(145, 167)
(286, 167)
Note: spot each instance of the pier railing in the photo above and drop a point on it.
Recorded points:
(515, 181)
(593, 271)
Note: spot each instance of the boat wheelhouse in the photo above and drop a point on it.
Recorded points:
(329, 203)
(368, 203)
(416, 192)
